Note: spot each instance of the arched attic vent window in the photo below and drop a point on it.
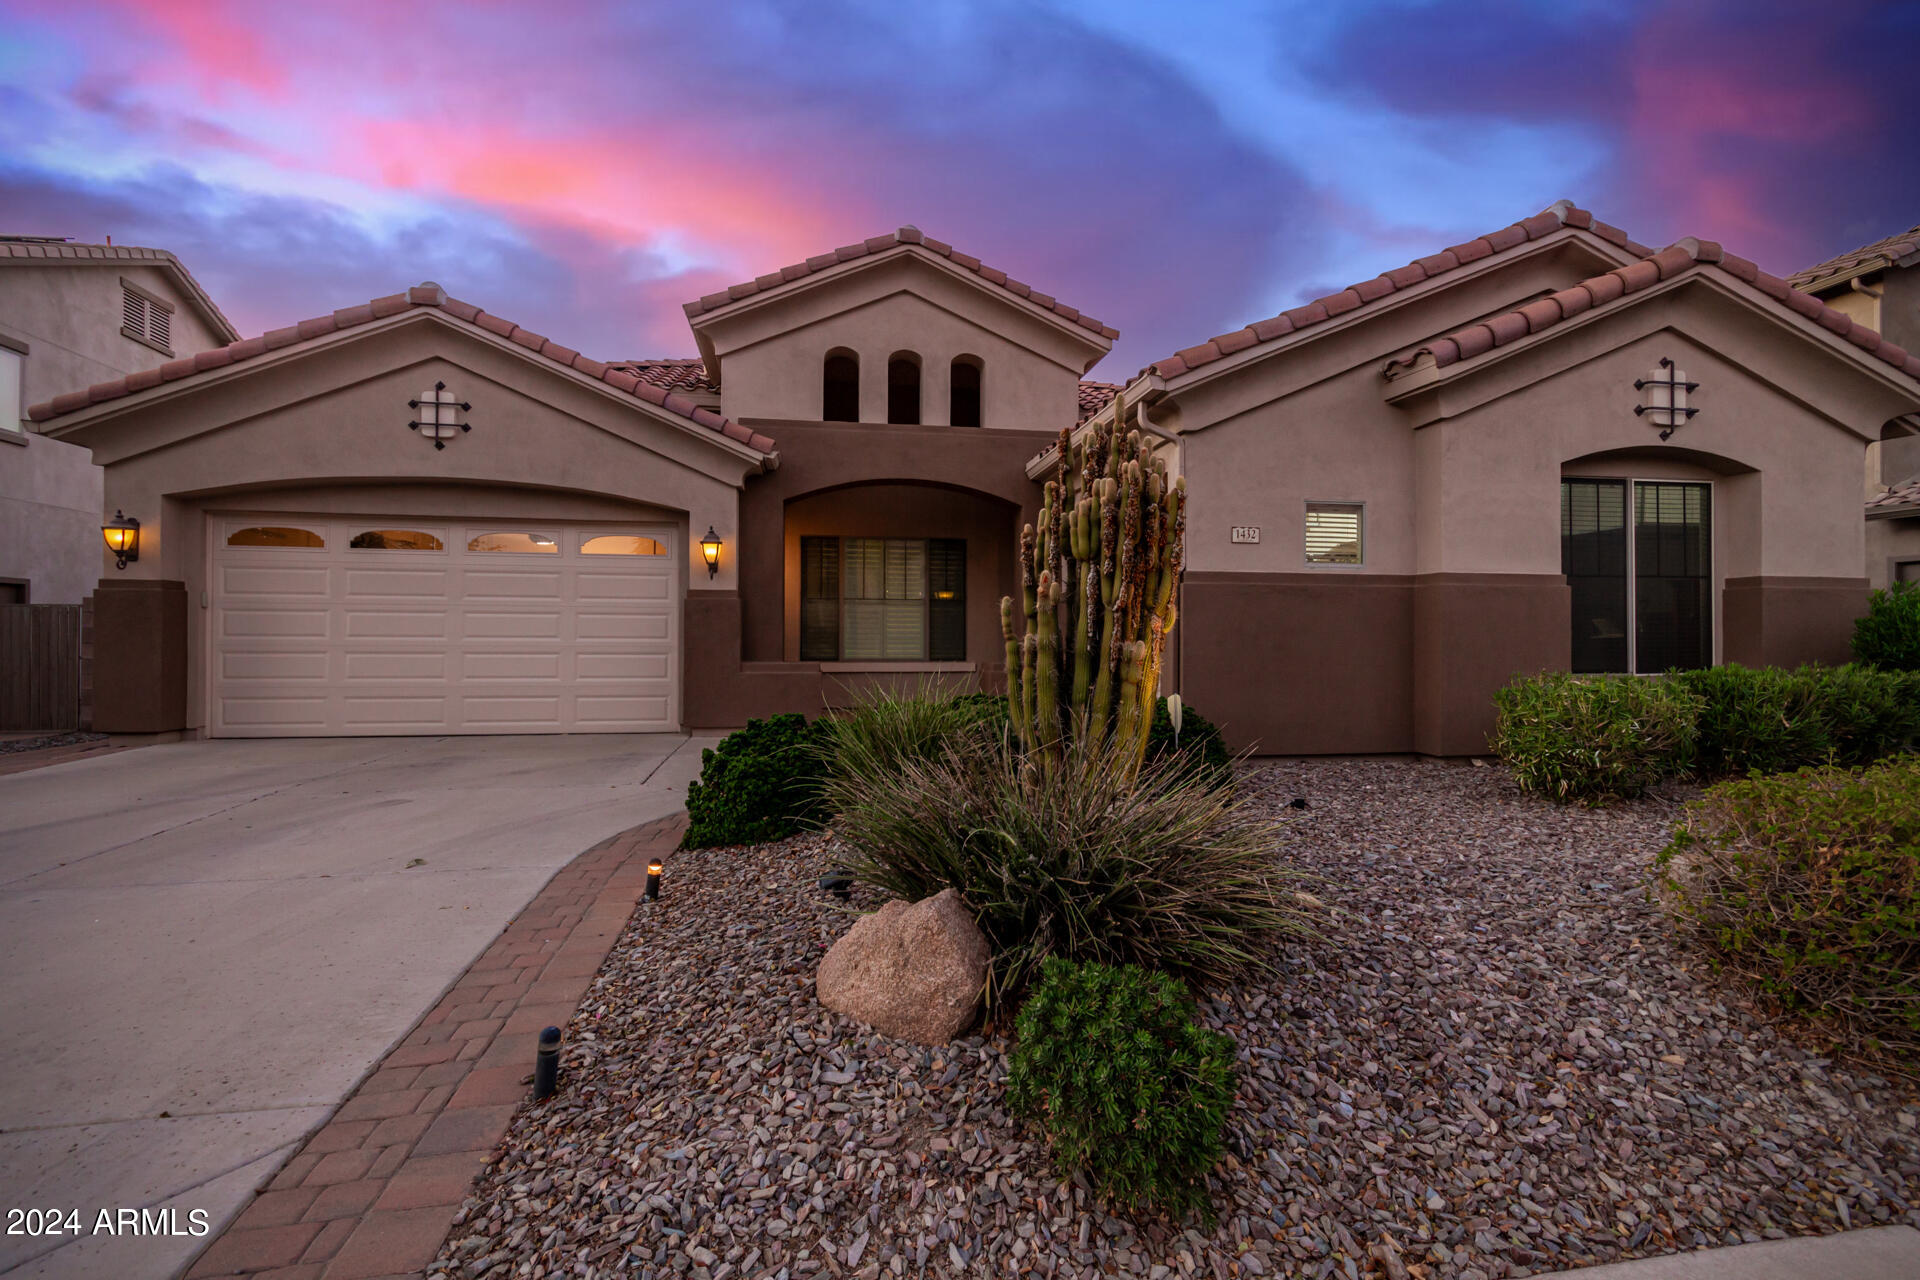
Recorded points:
(964, 392)
(840, 388)
(903, 389)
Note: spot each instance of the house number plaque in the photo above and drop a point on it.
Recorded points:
(1246, 533)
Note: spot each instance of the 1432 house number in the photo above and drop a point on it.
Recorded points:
(1246, 533)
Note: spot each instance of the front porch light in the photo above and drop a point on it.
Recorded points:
(710, 548)
(123, 538)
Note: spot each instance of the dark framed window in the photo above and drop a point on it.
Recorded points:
(1642, 588)
(903, 389)
(883, 599)
(840, 388)
(963, 392)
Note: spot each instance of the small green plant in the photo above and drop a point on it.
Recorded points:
(1199, 745)
(1808, 885)
(1086, 860)
(1131, 1093)
(1594, 738)
(1762, 719)
(1866, 714)
(1888, 636)
(761, 783)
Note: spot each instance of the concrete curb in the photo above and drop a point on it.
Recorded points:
(1874, 1253)
(373, 1192)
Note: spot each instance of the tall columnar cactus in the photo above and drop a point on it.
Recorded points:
(1099, 570)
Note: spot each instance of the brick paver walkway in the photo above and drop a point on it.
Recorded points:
(373, 1192)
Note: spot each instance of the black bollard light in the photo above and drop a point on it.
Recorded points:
(546, 1065)
(653, 880)
(839, 884)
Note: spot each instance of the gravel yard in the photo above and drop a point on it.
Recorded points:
(1498, 1063)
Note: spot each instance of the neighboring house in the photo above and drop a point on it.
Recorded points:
(415, 517)
(72, 315)
(1878, 285)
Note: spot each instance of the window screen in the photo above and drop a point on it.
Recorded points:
(819, 599)
(947, 610)
(1593, 555)
(1333, 533)
(1673, 608)
(11, 374)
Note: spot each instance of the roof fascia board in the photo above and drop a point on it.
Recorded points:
(1612, 254)
(1080, 334)
(81, 420)
(1707, 275)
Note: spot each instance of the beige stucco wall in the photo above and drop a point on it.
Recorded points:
(1890, 542)
(772, 354)
(50, 512)
(69, 316)
(326, 431)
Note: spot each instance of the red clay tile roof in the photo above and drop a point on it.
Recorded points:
(1868, 257)
(1683, 255)
(47, 248)
(880, 244)
(421, 295)
(1563, 214)
(671, 373)
(1903, 497)
(1095, 396)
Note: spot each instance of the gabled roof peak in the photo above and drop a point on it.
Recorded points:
(908, 235)
(425, 294)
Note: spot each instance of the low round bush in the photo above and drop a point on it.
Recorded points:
(1594, 738)
(1131, 1093)
(1888, 636)
(761, 783)
(1808, 885)
(1752, 719)
(1199, 745)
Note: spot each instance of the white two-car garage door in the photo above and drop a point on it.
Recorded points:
(330, 626)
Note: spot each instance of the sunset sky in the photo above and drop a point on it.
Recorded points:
(1174, 169)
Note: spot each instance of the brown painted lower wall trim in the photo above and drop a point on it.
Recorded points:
(139, 655)
(1788, 621)
(1472, 634)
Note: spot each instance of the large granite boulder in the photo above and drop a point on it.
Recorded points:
(914, 971)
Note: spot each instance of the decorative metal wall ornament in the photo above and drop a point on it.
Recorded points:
(438, 414)
(1667, 395)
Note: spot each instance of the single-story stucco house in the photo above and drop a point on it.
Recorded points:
(1546, 448)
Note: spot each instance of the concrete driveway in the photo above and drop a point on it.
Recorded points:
(204, 946)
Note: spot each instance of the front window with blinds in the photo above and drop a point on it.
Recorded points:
(883, 599)
(145, 318)
(1640, 571)
(1335, 533)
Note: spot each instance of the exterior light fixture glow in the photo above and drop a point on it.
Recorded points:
(710, 548)
(654, 869)
(123, 538)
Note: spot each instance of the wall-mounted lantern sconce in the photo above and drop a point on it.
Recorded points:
(123, 538)
(1667, 391)
(710, 548)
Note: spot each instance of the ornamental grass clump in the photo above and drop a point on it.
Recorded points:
(1808, 885)
(1131, 1093)
(1594, 738)
(885, 729)
(1088, 859)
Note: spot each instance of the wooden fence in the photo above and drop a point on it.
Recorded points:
(39, 667)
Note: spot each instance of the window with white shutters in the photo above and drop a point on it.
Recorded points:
(1334, 533)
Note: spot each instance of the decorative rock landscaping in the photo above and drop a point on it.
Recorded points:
(1499, 1062)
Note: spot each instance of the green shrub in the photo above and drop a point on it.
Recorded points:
(1866, 714)
(1082, 861)
(1888, 636)
(1763, 719)
(1808, 884)
(761, 783)
(1594, 738)
(1200, 745)
(1130, 1091)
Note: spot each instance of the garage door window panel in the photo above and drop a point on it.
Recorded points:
(274, 536)
(621, 544)
(521, 544)
(396, 540)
